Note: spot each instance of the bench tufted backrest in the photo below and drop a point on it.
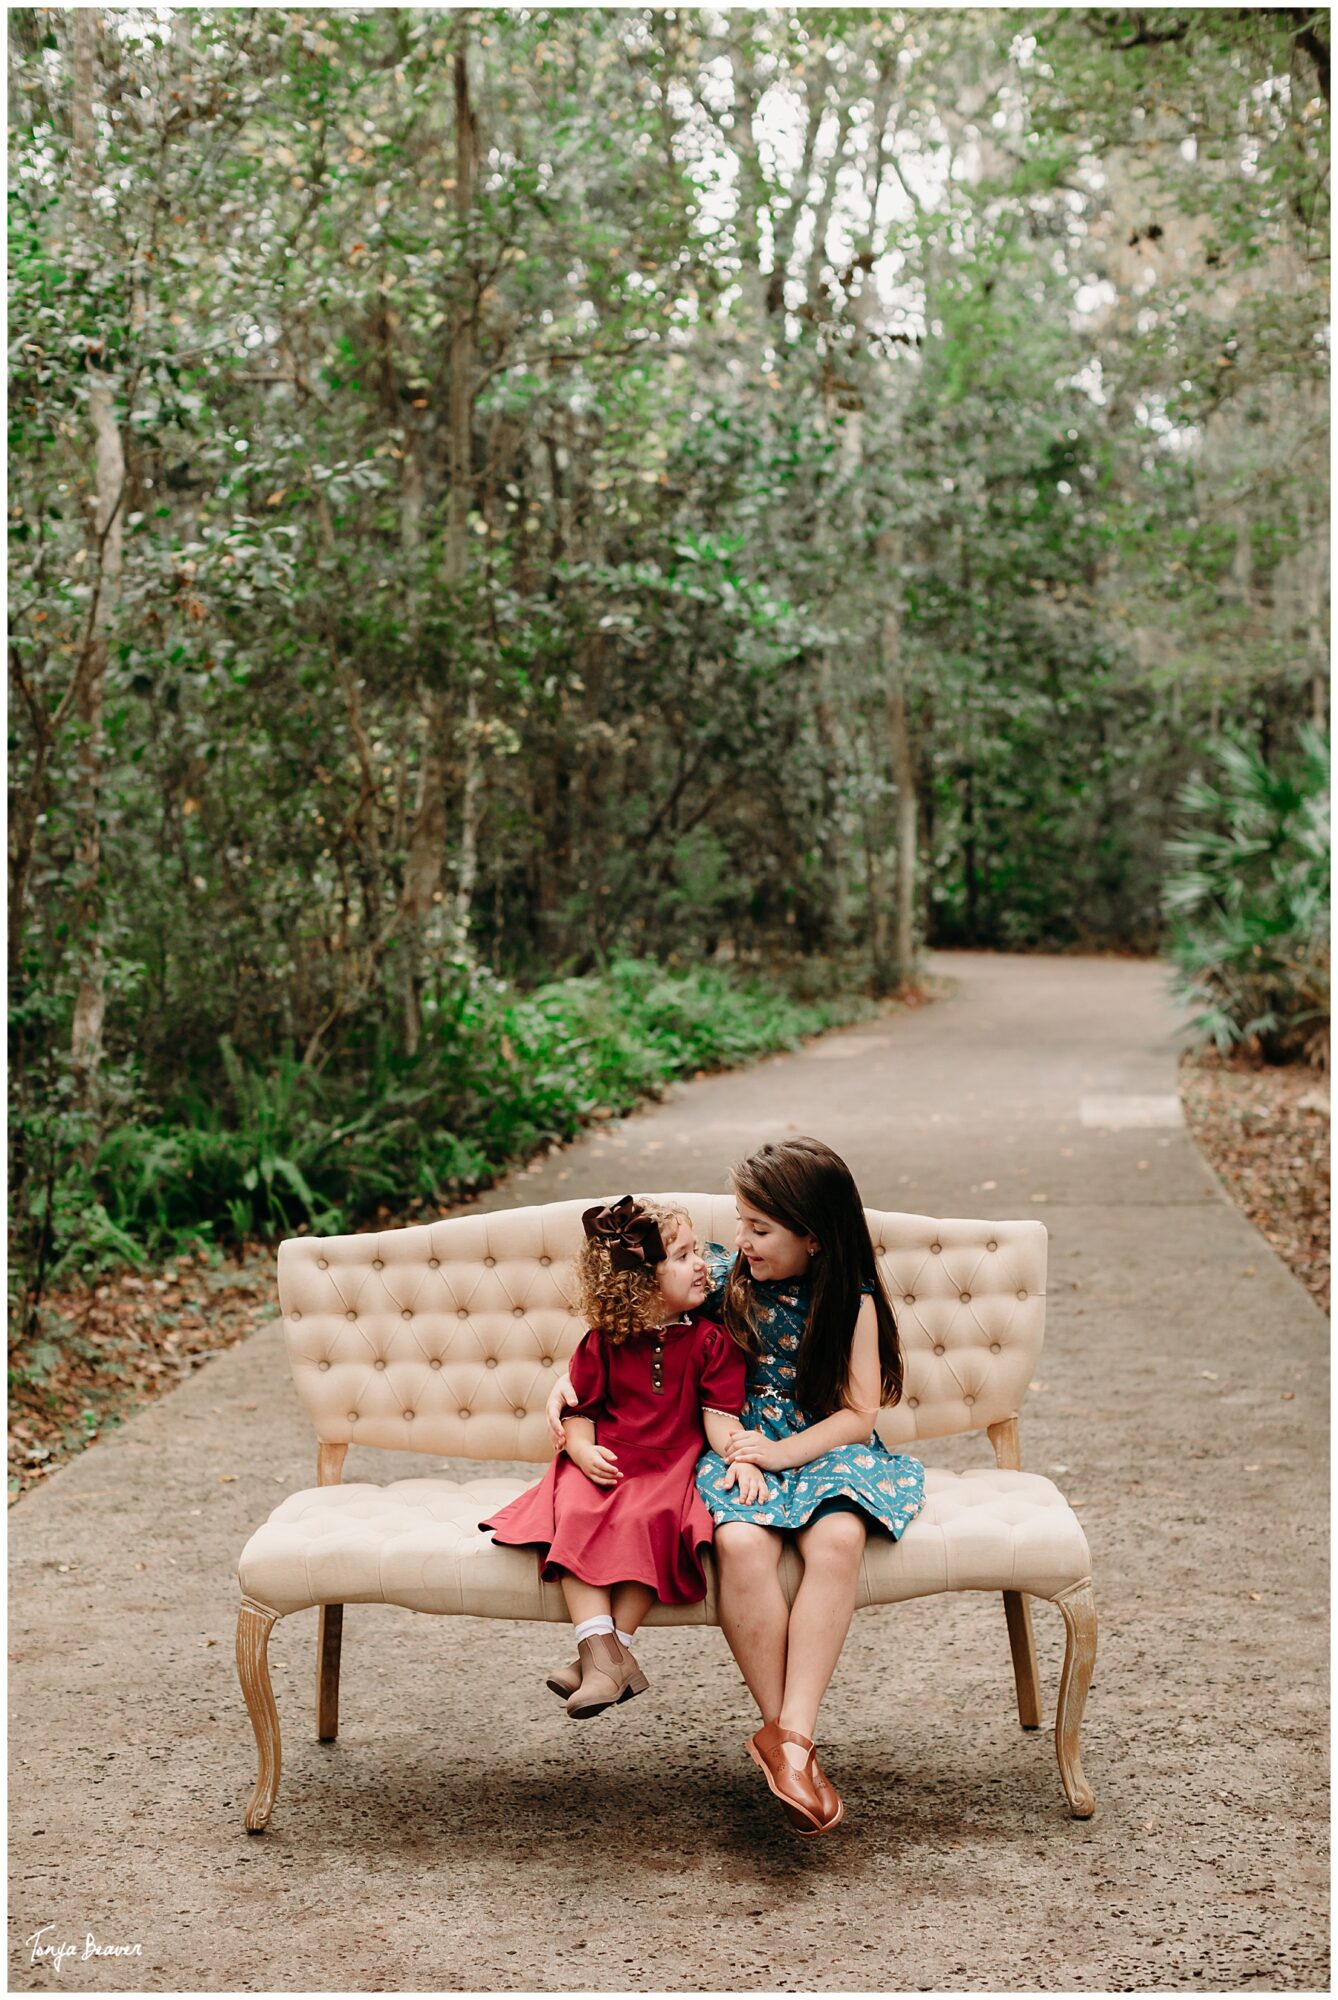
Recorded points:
(447, 1337)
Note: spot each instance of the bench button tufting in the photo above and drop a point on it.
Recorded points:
(968, 1400)
(323, 1263)
(966, 1298)
(353, 1416)
(350, 1315)
(377, 1265)
(995, 1347)
(991, 1245)
(294, 1316)
(378, 1363)
(545, 1261)
(880, 1249)
(435, 1362)
(491, 1361)
(408, 1416)
(939, 1348)
(1022, 1295)
(545, 1361)
(464, 1413)
(909, 1299)
(489, 1261)
(322, 1365)
(433, 1263)
(463, 1313)
(517, 1312)
(913, 1402)
(520, 1413)
(406, 1314)
(936, 1247)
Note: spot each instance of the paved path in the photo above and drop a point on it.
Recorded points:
(462, 1835)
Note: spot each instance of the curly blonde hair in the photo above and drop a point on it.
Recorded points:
(624, 1303)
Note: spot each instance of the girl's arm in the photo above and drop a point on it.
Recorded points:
(596, 1461)
(559, 1396)
(851, 1425)
(721, 1431)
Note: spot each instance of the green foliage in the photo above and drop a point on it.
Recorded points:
(280, 1148)
(1248, 899)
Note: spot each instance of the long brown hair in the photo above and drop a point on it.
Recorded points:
(807, 1188)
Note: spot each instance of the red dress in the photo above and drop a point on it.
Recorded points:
(651, 1526)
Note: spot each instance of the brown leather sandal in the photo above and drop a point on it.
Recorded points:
(795, 1786)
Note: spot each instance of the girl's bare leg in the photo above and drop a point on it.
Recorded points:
(631, 1602)
(754, 1616)
(820, 1616)
(585, 1600)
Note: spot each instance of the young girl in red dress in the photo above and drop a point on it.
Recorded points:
(618, 1519)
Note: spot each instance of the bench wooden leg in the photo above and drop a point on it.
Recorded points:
(1079, 1608)
(254, 1625)
(1018, 1613)
(328, 1639)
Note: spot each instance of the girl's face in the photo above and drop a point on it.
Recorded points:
(771, 1250)
(681, 1278)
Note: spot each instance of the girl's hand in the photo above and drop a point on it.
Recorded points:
(559, 1396)
(597, 1463)
(752, 1488)
(755, 1448)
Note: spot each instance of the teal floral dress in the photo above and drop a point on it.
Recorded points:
(886, 1486)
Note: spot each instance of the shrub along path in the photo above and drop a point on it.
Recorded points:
(464, 1835)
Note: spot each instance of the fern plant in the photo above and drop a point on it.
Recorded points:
(1248, 901)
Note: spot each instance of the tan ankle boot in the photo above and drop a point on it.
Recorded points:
(564, 1681)
(608, 1674)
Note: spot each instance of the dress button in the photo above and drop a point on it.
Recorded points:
(491, 1361)
(435, 1362)
(322, 1365)
(966, 1298)
(939, 1348)
(995, 1347)
(378, 1363)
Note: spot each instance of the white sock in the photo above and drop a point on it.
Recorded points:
(590, 1627)
(623, 1638)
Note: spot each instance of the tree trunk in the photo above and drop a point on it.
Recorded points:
(427, 838)
(108, 543)
(900, 749)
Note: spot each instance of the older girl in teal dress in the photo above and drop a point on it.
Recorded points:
(804, 1300)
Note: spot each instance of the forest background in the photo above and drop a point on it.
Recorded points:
(550, 549)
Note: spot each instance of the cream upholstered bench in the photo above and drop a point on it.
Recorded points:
(447, 1339)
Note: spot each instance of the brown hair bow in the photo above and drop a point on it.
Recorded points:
(631, 1237)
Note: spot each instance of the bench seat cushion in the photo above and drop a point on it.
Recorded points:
(416, 1543)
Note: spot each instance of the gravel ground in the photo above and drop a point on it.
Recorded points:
(462, 1835)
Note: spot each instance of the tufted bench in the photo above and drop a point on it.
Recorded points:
(447, 1339)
